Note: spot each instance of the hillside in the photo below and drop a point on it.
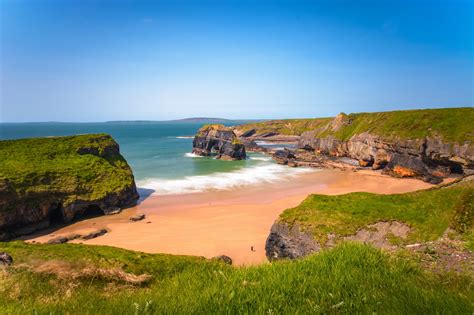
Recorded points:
(61, 177)
(386, 221)
(79, 279)
(451, 124)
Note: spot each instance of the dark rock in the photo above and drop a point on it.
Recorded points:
(289, 243)
(5, 259)
(283, 156)
(64, 239)
(137, 217)
(94, 234)
(248, 133)
(58, 240)
(220, 141)
(223, 258)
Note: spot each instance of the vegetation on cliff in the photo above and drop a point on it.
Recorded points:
(451, 124)
(351, 278)
(84, 167)
(218, 140)
(429, 213)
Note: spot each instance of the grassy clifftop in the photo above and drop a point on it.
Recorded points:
(80, 279)
(429, 213)
(451, 124)
(86, 167)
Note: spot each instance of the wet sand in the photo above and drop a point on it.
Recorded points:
(224, 222)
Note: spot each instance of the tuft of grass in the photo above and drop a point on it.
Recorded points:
(350, 278)
(428, 212)
(450, 124)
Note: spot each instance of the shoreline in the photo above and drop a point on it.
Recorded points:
(226, 222)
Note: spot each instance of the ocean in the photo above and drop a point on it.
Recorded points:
(159, 154)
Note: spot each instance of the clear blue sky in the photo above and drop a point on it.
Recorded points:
(88, 60)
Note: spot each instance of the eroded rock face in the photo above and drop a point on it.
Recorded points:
(218, 140)
(427, 158)
(284, 242)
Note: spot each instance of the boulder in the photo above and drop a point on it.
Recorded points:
(94, 234)
(5, 259)
(137, 217)
(58, 240)
(284, 156)
(220, 141)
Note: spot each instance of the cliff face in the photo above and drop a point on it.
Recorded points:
(427, 157)
(429, 144)
(219, 140)
(60, 179)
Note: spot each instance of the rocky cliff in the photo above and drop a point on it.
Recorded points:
(60, 179)
(428, 144)
(220, 141)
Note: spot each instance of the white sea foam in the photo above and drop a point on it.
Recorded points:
(261, 158)
(185, 137)
(192, 155)
(223, 181)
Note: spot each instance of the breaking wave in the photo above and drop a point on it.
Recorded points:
(223, 180)
(192, 155)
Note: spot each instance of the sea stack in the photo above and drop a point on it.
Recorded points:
(218, 140)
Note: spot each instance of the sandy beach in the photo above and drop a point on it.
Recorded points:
(223, 222)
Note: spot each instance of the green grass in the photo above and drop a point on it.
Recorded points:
(289, 127)
(350, 278)
(451, 124)
(32, 168)
(428, 212)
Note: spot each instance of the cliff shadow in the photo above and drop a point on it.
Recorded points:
(56, 222)
(144, 193)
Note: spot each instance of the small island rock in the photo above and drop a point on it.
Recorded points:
(218, 140)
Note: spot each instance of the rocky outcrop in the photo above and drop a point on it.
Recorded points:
(95, 180)
(285, 242)
(427, 158)
(220, 141)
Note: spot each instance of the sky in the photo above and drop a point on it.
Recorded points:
(86, 60)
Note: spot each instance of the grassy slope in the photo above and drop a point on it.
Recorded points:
(52, 165)
(451, 124)
(289, 127)
(349, 278)
(429, 212)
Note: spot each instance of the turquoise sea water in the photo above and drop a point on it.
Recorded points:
(159, 154)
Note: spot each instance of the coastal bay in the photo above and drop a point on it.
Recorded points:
(227, 222)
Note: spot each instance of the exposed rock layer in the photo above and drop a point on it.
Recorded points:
(428, 158)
